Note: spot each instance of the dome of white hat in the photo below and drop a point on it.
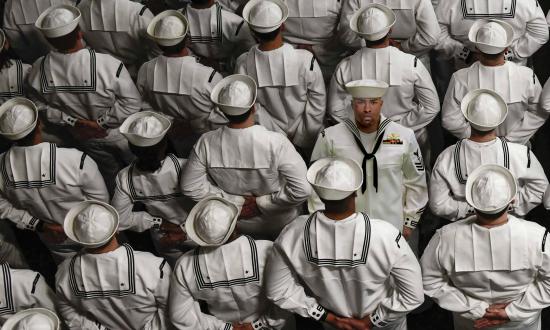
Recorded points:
(211, 221)
(34, 322)
(373, 21)
(335, 178)
(235, 94)
(168, 28)
(265, 16)
(58, 21)
(484, 109)
(91, 223)
(33, 319)
(491, 36)
(18, 117)
(146, 128)
(367, 88)
(490, 188)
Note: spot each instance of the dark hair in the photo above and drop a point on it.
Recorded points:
(492, 216)
(376, 42)
(340, 206)
(176, 49)
(492, 57)
(149, 158)
(239, 118)
(65, 42)
(266, 37)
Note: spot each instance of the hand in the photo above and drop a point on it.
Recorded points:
(244, 326)
(249, 208)
(395, 43)
(495, 315)
(345, 323)
(53, 233)
(88, 129)
(407, 232)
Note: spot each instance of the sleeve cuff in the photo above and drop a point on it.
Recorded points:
(265, 205)
(463, 53)
(228, 326)
(156, 222)
(411, 222)
(476, 312)
(509, 55)
(377, 321)
(101, 121)
(33, 224)
(69, 120)
(260, 324)
(318, 313)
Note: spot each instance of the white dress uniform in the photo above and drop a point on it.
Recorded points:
(19, 19)
(180, 87)
(315, 23)
(21, 289)
(122, 289)
(232, 5)
(218, 35)
(457, 16)
(411, 99)
(353, 267)
(448, 181)
(12, 79)
(517, 85)
(504, 264)
(42, 182)
(92, 86)
(233, 163)
(395, 190)
(117, 28)
(290, 87)
(161, 194)
(229, 279)
(415, 26)
(544, 101)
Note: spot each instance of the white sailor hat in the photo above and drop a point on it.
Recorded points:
(58, 21)
(168, 28)
(367, 89)
(91, 223)
(491, 36)
(484, 109)
(145, 128)
(490, 188)
(18, 117)
(373, 21)
(264, 16)
(33, 319)
(235, 94)
(211, 221)
(335, 178)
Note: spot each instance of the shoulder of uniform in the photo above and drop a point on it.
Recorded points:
(336, 129)
(382, 227)
(292, 230)
(396, 127)
(147, 258)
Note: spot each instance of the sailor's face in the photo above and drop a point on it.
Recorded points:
(367, 111)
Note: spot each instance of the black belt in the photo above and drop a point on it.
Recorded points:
(367, 156)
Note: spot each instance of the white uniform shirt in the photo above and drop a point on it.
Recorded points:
(12, 79)
(232, 5)
(216, 33)
(121, 289)
(21, 289)
(415, 26)
(411, 99)
(252, 161)
(544, 101)
(229, 279)
(353, 267)
(448, 181)
(290, 87)
(402, 193)
(43, 182)
(467, 267)
(84, 85)
(19, 18)
(118, 28)
(159, 191)
(517, 85)
(457, 16)
(180, 87)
